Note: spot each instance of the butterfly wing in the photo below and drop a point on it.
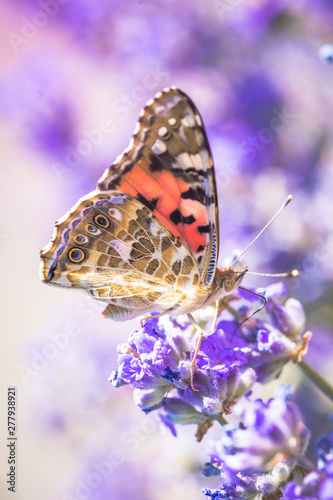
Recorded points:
(168, 166)
(113, 246)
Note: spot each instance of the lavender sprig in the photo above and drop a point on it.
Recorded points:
(260, 454)
(157, 358)
(317, 484)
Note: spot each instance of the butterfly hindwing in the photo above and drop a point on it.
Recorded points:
(169, 168)
(113, 246)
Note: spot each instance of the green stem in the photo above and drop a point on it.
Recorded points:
(304, 462)
(220, 418)
(319, 381)
(232, 311)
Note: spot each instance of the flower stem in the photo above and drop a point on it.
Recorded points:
(319, 381)
(221, 420)
(232, 311)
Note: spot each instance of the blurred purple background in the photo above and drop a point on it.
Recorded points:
(74, 76)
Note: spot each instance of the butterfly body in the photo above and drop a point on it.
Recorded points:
(147, 238)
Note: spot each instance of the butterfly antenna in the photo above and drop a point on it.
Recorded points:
(288, 200)
(255, 312)
(290, 274)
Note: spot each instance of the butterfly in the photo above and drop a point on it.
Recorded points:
(147, 239)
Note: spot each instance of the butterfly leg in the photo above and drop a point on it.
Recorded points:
(219, 306)
(153, 316)
(201, 333)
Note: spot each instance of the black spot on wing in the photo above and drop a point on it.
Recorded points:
(154, 202)
(151, 204)
(116, 178)
(176, 217)
(179, 172)
(155, 164)
(204, 229)
(200, 248)
(197, 194)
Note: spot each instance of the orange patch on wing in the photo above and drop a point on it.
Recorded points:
(167, 189)
(152, 185)
(192, 234)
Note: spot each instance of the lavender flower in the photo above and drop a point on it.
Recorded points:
(274, 337)
(156, 359)
(259, 454)
(317, 484)
(155, 362)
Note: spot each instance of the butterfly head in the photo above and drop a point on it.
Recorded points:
(229, 279)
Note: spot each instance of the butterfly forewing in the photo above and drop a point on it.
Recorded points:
(169, 168)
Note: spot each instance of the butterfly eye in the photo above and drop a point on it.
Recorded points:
(229, 284)
(76, 255)
(101, 221)
(80, 239)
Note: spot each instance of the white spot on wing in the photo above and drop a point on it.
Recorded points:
(188, 121)
(115, 213)
(198, 120)
(162, 131)
(172, 121)
(187, 160)
(159, 147)
(159, 109)
(174, 100)
(121, 247)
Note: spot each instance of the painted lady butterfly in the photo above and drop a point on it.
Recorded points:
(147, 239)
